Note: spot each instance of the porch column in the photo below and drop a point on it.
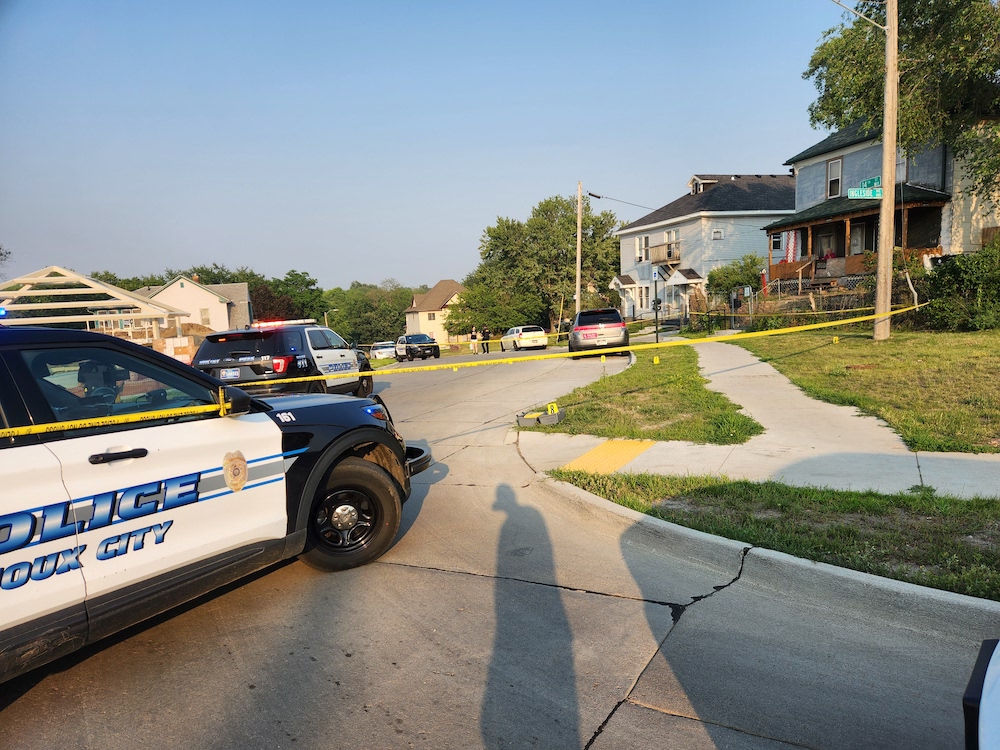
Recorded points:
(809, 240)
(847, 237)
(906, 227)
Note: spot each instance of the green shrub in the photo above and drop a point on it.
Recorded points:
(965, 292)
(742, 272)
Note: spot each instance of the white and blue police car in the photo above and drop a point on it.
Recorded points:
(129, 486)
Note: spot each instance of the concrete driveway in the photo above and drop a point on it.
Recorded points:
(515, 612)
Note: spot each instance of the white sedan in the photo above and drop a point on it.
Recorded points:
(524, 337)
(383, 350)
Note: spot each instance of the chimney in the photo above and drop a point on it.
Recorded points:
(194, 278)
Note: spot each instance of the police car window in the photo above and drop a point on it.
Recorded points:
(293, 341)
(86, 383)
(317, 340)
(335, 341)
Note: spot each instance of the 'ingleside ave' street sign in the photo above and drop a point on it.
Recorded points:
(864, 192)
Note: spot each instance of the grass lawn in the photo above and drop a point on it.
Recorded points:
(939, 391)
(665, 401)
(942, 542)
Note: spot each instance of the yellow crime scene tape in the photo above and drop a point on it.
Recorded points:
(592, 352)
(223, 408)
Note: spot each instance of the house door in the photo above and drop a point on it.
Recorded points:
(857, 239)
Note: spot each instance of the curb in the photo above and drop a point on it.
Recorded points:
(908, 606)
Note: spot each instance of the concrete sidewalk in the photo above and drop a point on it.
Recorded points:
(806, 442)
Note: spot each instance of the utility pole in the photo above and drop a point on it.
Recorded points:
(887, 214)
(887, 211)
(579, 238)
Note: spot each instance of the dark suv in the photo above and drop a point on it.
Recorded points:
(269, 354)
(598, 329)
(416, 345)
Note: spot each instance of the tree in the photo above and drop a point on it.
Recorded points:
(269, 305)
(301, 288)
(4, 258)
(528, 269)
(949, 87)
(130, 283)
(738, 273)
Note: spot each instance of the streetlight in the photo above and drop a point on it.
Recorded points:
(326, 322)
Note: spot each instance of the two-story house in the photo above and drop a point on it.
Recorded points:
(668, 253)
(830, 231)
(429, 311)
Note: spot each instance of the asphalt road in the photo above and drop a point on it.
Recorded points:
(514, 612)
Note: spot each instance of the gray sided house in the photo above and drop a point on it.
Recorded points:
(830, 231)
(718, 221)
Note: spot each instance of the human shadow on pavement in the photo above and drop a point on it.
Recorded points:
(530, 698)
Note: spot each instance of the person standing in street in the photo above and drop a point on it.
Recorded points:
(474, 341)
(486, 341)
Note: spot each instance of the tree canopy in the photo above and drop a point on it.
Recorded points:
(949, 79)
(527, 273)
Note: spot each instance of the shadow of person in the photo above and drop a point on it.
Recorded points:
(530, 698)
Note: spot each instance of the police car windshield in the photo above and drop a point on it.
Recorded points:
(250, 343)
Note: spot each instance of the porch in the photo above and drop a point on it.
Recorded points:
(835, 236)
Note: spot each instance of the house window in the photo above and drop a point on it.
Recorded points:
(206, 318)
(431, 316)
(642, 248)
(833, 178)
(717, 234)
(673, 240)
(776, 242)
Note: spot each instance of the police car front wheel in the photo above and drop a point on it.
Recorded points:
(354, 519)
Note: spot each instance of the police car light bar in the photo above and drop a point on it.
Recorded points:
(278, 323)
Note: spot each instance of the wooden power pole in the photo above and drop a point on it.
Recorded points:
(887, 213)
(579, 238)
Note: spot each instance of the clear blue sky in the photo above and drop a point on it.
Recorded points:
(363, 141)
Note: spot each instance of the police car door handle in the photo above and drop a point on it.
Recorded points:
(106, 458)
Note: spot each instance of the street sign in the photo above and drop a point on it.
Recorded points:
(656, 274)
(864, 192)
(873, 182)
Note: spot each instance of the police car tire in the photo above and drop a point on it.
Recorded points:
(437, 354)
(409, 356)
(354, 486)
(316, 386)
(365, 386)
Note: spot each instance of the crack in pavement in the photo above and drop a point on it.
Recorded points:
(676, 610)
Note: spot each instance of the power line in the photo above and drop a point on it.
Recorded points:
(609, 198)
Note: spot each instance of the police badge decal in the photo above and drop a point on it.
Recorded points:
(234, 469)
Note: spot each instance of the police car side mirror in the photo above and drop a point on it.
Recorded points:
(238, 400)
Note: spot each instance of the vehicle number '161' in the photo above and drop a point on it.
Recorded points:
(285, 416)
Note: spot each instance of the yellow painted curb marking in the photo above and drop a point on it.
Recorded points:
(610, 456)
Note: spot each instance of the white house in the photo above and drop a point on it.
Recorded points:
(718, 221)
(220, 307)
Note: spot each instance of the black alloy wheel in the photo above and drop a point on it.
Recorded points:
(366, 385)
(354, 519)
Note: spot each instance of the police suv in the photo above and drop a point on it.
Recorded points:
(132, 483)
(264, 357)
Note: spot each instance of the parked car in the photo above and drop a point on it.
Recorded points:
(981, 701)
(597, 329)
(268, 354)
(524, 337)
(383, 350)
(414, 345)
(133, 483)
